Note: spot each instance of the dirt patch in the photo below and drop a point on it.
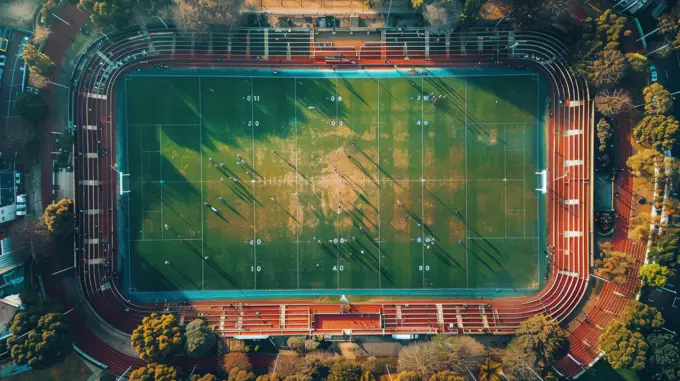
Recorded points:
(18, 13)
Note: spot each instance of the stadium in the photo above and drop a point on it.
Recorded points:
(253, 177)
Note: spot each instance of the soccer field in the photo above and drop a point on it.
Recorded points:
(357, 182)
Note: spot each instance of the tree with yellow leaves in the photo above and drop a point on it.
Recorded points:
(59, 217)
(157, 337)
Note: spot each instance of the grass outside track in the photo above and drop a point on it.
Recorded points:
(341, 183)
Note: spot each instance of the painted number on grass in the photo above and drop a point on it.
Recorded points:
(333, 123)
(424, 123)
(424, 97)
(254, 98)
(258, 268)
(427, 268)
(339, 98)
(338, 268)
(256, 123)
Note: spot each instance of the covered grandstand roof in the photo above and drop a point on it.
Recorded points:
(7, 191)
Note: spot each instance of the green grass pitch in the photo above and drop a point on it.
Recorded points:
(333, 183)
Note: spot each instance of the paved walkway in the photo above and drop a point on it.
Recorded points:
(327, 7)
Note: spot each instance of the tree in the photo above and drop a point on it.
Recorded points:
(665, 251)
(516, 363)
(610, 25)
(37, 80)
(237, 360)
(615, 266)
(157, 337)
(296, 343)
(471, 9)
(205, 377)
(408, 376)
(663, 358)
(637, 62)
(367, 376)
(613, 103)
(640, 317)
(59, 217)
(639, 227)
(36, 59)
(623, 348)
(442, 353)
(154, 372)
(490, 370)
(657, 131)
(644, 162)
(604, 133)
(41, 33)
(658, 100)
(654, 275)
(240, 375)
(119, 13)
(443, 17)
(311, 345)
(31, 107)
(345, 370)
(542, 336)
(199, 14)
(269, 377)
(608, 66)
(446, 375)
(200, 339)
(43, 345)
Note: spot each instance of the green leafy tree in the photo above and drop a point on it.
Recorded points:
(119, 13)
(39, 61)
(345, 370)
(471, 9)
(446, 375)
(408, 376)
(644, 162)
(610, 25)
(665, 251)
(542, 336)
(490, 370)
(663, 359)
(200, 339)
(623, 348)
(654, 275)
(613, 102)
(615, 266)
(637, 62)
(638, 227)
(658, 100)
(296, 343)
(657, 131)
(604, 133)
(154, 372)
(367, 376)
(49, 342)
(640, 317)
(59, 217)
(157, 337)
(31, 107)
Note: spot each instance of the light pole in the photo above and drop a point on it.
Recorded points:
(60, 19)
(164, 24)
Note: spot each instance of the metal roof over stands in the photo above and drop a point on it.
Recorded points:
(7, 191)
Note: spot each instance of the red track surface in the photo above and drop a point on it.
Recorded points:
(569, 268)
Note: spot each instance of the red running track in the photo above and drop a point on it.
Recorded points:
(569, 141)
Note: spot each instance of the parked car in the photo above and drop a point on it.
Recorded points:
(3, 59)
(655, 75)
(4, 39)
